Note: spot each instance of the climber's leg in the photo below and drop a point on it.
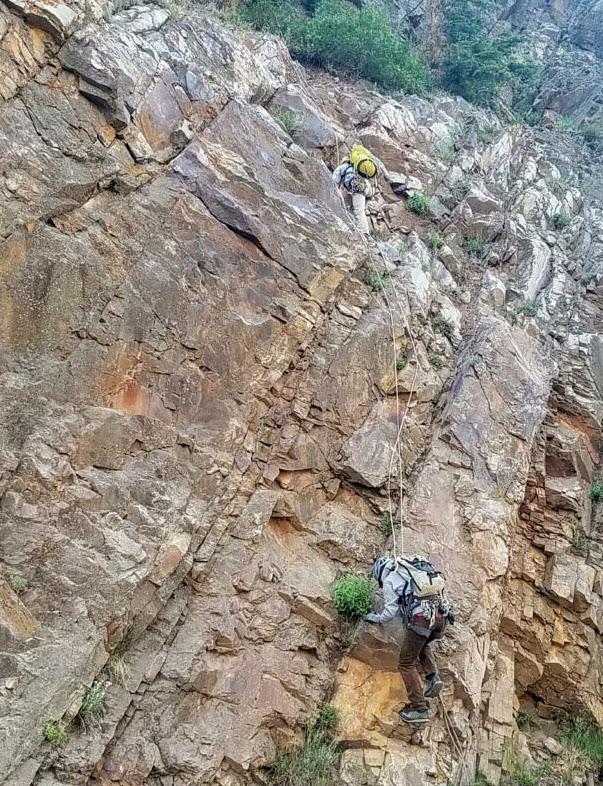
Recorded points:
(428, 661)
(359, 211)
(412, 646)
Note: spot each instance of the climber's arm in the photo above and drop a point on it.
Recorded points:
(338, 173)
(391, 607)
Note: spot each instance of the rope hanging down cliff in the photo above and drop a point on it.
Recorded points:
(400, 419)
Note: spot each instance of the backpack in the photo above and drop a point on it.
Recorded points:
(362, 161)
(425, 581)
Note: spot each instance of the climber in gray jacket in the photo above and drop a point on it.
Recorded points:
(414, 589)
(357, 174)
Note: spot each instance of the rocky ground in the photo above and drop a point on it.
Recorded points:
(200, 401)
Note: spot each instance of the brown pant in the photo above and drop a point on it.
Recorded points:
(416, 649)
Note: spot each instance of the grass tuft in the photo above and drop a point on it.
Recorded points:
(474, 245)
(289, 121)
(313, 763)
(528, 308)
(437, 361)
(94, 704)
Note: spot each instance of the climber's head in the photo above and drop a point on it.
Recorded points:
(382, 566)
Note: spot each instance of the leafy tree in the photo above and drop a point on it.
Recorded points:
(360, 41)
(478, 66)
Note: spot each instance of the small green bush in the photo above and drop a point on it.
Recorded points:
(418, 203)
(387, 524)
(444, 326)
(596, 492)
(474, 245)
(55, 732)
(353, 596)
(310, 765)
(528, 308)
(18, 584)
(375, 279)
(401, 362)
(586, 736)
(561, 220)
(327, 718)
(433, 240)
(360, 41)
(523, 719)
(437, 361)
(94, 706)
(288, 120)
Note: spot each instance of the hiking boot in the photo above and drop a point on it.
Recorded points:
(414, 716)
(433, 687)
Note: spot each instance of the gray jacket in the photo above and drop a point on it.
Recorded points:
(396, 595)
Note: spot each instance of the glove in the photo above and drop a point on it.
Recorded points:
(451, 617)
(372, 618)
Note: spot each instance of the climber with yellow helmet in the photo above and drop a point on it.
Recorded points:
(357, 174)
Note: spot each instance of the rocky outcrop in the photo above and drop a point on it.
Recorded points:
(212, 389)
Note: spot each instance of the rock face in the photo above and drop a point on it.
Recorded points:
(208, 402)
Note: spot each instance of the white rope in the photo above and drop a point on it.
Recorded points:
(400, 421)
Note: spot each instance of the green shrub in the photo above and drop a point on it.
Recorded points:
(433, 240)
(94, 706)
(474, 245)
(288, 120)
(387, 524)
(375, 279)
(310, 765)
(561, 220)
(418, 203)
(437, 361)
(476, 65)
(586, 736)
(401, 363)
(528, 308)
(596, 492)
(361, 41)
(55, 732)
(327, 718)
(523, 719)
(444, 326)
(18, 584)
(353, 596)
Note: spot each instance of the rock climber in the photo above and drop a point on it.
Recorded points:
(357, 174)
(413, 588)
